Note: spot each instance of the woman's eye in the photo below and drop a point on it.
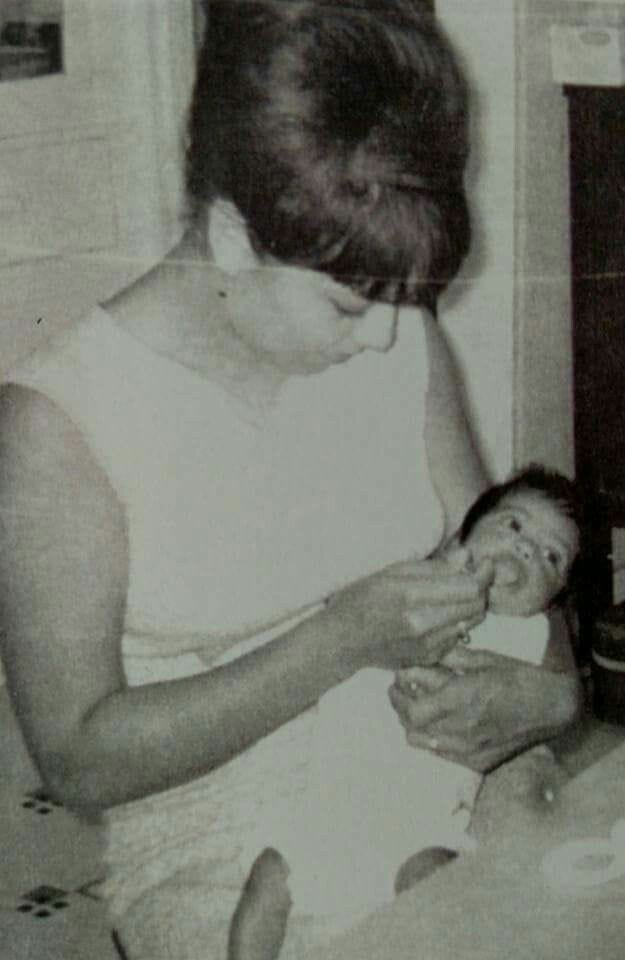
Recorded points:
(513, 524)
(348, 303)
(352, 310)
(553, 557)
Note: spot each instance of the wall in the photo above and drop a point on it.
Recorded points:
(478, 311)
(99, 198)
(543, 416)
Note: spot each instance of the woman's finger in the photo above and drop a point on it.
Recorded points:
(455, 565)
(463, 659)
(424, 569)
(436, 646)
(416, 714)
(436, 592)
(458, 558)
(460, 617)
(440, 578)
(485, 573)
(448, 747)
(421, 679)
(424, 650)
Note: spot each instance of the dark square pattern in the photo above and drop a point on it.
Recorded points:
(43, 901)
(39, 802)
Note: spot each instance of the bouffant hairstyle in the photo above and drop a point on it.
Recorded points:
(338, 128)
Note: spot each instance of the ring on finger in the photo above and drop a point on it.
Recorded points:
(432, 743)
(463, 632)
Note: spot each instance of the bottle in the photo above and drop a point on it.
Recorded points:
(608, 665)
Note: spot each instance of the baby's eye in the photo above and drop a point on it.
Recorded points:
(553, 557)
(513, 524)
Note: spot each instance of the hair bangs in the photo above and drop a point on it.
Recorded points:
(404, 250)
(397, 246)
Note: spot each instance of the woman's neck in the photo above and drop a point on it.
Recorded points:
(181, 309)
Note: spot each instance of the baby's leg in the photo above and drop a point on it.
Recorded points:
(258, 925)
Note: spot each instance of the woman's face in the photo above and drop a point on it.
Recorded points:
(302, 322)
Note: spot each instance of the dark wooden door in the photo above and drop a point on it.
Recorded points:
(597, 168)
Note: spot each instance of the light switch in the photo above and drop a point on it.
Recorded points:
(588, 56)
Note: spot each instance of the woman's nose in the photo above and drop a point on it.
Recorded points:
(378, 328)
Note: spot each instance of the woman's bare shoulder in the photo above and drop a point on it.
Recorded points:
(25, 409)
(63, 574)
(46, 462)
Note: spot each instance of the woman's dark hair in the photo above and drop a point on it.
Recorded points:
(554, 486)
(338, 128)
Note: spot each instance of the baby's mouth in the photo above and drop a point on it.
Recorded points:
(509, 571)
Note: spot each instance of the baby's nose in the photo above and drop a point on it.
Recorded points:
(524, 548)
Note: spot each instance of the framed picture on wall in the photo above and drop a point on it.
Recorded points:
(48, 62)
(92, 93)
(31, 39)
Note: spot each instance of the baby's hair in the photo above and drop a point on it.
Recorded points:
(554, 486)
(338, 128)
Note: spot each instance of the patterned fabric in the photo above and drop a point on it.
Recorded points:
(372, 800)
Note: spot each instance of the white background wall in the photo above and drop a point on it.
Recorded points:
(478, 311)
(543, 420)
(90, 164)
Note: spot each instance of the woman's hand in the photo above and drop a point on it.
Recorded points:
(479, 708)
(409, 613)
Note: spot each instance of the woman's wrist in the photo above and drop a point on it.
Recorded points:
(344, 635)
(570, 702)
(554, 704)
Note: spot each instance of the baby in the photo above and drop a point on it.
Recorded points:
(372, 798)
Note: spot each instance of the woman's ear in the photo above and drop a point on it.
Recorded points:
(228, 238)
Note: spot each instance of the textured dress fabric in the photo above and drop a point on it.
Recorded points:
(373, 800)
(239, 524)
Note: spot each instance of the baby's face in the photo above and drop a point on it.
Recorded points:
(532, 544)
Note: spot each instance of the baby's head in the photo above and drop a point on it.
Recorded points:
(529, 527)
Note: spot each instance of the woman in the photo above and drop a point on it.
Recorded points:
(197, 463)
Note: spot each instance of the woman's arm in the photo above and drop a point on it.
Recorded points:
(456, 468)
(494, 707)
(63, 585)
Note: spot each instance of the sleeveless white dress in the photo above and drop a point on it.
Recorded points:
(237, 527)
